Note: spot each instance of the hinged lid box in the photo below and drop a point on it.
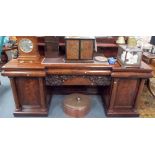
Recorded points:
(80, 49)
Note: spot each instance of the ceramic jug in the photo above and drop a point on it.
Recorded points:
(132, 42)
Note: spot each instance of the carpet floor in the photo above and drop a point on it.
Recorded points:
(146, 106)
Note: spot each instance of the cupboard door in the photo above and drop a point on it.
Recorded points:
(30, 96)
(124, 97)
(28, 91)
(126, 93)
(72, 49)
(86, 50)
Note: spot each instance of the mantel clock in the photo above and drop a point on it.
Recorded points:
(28, 49)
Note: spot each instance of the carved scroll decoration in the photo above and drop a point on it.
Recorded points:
(58, 80)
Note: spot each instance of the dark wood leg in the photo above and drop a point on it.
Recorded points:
(148, 83)
(42, 94)
(139, 92)
(15, 95)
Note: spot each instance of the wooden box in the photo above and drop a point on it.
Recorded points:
(51, 46)
(79, 49)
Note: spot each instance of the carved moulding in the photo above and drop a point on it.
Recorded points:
(58, 80)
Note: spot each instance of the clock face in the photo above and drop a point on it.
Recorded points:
(25, 45)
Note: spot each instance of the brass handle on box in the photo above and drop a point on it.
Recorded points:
(78, 99)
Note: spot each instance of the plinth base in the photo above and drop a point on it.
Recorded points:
(122, 113)
(31, 111)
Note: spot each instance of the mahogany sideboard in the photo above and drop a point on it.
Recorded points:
(33, 84)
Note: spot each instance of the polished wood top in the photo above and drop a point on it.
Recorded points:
(15, 65)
